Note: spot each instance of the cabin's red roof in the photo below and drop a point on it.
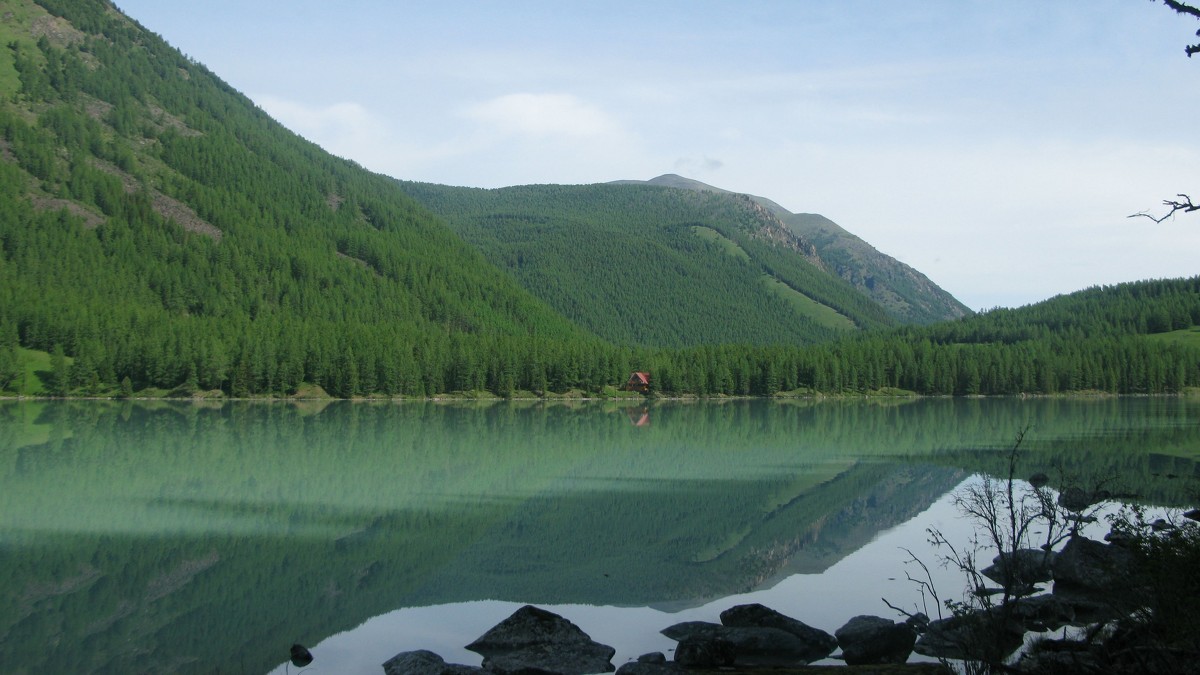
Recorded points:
(644, 378)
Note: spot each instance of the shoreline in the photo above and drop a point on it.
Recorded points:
(639, 398)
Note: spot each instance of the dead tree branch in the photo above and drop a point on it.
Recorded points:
(1190, 10)
(1185, 206)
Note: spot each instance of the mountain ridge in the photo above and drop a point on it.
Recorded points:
(653, 267)
(908, 295)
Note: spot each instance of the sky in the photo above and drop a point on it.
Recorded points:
(997, 147)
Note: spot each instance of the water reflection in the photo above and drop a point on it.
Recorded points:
(193, 538)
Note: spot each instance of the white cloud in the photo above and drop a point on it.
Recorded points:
(702, 165)
(346, 129)
(543, 115)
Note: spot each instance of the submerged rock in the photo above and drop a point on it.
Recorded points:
(874, 639)
(533, 638)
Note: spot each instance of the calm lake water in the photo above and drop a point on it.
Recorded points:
(207, 538)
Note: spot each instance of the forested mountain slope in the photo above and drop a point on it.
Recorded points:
(648, 266)
(160, 232)
(156, 225)
(907, 294)
(1132, 338)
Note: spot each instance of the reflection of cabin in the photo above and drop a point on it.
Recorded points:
(638, 382)
(638, 417)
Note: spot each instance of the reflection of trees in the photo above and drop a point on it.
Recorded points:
(167, 514)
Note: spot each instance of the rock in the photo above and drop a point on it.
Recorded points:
(1161, 525)
(424, 662)
(977, 636)
(681, 631)
(1075, 499)
(1028, 566)
(820, 644)
(705, 652)
(1052, 656)
(1094, 579)
(874, 639)
(1120, 538)
(634, 668)
(654, 663)
(552, 659)
(917, 622)
(300, 656)
(1039, 480)
(1041, 613)
(1088, 564)
(532, 638)
(1088, 605)
(640, 668)
(752, 646)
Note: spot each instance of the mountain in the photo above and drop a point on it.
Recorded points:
(906, 294)
(161, 235)
(648, 266)
(158, 227)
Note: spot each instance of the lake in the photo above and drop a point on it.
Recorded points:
(208, 537)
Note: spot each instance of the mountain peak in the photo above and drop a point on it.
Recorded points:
(903, 291)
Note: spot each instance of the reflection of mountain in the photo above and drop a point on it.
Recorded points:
(177, 538)
(677, 543)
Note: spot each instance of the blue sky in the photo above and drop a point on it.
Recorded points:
(996, 147)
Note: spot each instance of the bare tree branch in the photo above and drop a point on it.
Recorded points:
(1190, 10)
(1183, 8)
(1185, 206)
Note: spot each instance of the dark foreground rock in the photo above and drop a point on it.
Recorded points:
(533, 639)
(977, 636)
(424, 662)
(654, 663)
(880, 669)
(1087, 564)
(1094, 579)
(819, 643)
(705, 651)
(1045, 612)
(1024, 567)
(874, 639)
(756, 635)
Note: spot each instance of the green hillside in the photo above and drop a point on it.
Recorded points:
(160, 233)
(156, 225)
(1131, 338)
(649, 266)
(907, 295)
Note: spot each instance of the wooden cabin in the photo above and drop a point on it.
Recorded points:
(638, 382)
